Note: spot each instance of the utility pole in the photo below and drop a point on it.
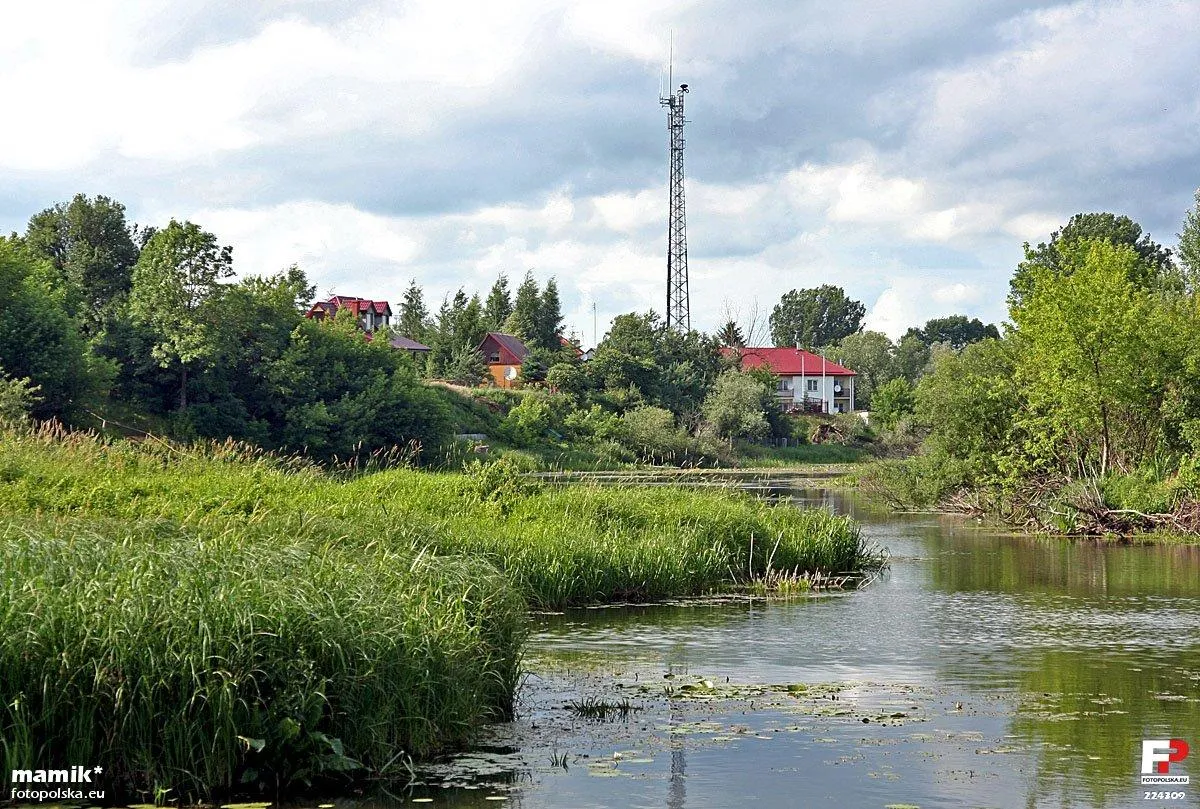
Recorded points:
(678, 304)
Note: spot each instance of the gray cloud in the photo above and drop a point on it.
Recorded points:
(875, 142)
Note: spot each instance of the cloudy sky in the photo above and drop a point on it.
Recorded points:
(903, 150)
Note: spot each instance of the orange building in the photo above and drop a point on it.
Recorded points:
(503, 354)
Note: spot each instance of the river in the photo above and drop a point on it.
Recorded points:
(984, 669)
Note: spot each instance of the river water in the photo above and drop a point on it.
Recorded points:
(983, 670)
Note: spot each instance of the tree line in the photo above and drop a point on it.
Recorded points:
(1085, 414)
(105, 321)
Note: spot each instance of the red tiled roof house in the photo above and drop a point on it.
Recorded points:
(503, 354)
(371, 315)
(804, 381)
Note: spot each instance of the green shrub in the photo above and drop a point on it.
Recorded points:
(1138, 492)
(528, 422)
(652, 434)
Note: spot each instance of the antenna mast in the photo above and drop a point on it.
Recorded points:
(678, 305)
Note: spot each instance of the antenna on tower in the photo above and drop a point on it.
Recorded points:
(678, 304)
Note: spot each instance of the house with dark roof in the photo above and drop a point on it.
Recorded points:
(418, 351)
(503, 354)
(804, 381)
(371, 315)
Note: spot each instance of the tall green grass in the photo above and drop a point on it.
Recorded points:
(199, 620)
(263, 654)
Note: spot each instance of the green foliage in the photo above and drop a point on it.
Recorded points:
(466, 367)
(18, 398)
(968, 402)
(566, 377)
(549, 319)
(39, 341)
(526, 317)
(731, 335)
(235, 653)
(536, 364)
(498, 306)
(812, 318)
(413, 320)
(955, 331)
(1142, 492)
(892, 402)
(340, 396)
(736, 406)
(872, 356)
(528, 422)
(265, 625)
(912, 357)
(1153, 267)
(1092, 362)
(595, 423)
(177, 277)
(91, 249)
(641, 361)
(1189, 247)
(501, 483)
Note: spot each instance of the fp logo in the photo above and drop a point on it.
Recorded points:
(1157, 757)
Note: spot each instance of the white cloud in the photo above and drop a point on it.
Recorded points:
(914, 194)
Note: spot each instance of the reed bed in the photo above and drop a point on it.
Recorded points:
(200, 662)
(203, 620)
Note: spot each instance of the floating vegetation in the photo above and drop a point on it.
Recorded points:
(602, 710)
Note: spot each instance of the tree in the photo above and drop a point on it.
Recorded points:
(968, 401)
(912, 357)
(956, 331)
(812, 318)
(1097, 354)
(734, 406)
(342, 396)
(466, 367)
(90, 246)
(566, 377)
(872, 356)
(413, 322)
(549, 319)
(526, 314)
(731, 335)
(1189, 246)
(469, 329)
(39, 342)
(18, 398)
(536, 364)
(892, 402)
(252, 322)
(1155, 266)
(498, 306)
(177, 276)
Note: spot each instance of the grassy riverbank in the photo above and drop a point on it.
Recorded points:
(204, 621)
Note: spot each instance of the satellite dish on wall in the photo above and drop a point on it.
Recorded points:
(510, 373)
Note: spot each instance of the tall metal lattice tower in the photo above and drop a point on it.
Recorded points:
(678, 305)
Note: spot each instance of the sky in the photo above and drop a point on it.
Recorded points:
(902, 150)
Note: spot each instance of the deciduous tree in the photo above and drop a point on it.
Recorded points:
(812, 318)
(177, 276)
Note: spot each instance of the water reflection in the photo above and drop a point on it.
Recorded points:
(1026, 672)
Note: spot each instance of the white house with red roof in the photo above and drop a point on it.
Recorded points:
(804, 381)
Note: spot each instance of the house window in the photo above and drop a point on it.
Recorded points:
(812, 386)
(494, 357)
(784, 385)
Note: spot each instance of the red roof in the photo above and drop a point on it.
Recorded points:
(354, 304)
(511, 350)
(789, 362)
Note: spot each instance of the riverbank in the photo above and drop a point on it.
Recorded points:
(1119, 508)
(202, 622)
